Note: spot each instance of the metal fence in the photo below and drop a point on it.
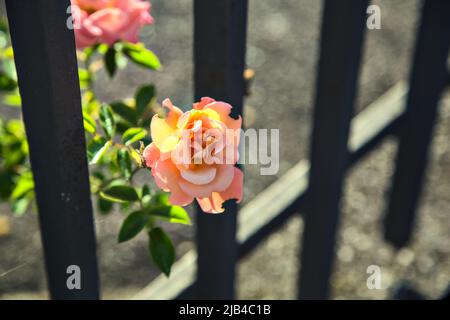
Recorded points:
(48, 80)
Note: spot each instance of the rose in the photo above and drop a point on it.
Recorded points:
(193, 154)
(108, 21)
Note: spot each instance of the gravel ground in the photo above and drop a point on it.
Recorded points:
(282, 49)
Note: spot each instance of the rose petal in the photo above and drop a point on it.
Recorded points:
(235, 189)
(163, 135)
(110, 21)
(174, 113)
(151, 154)
(222, 108)
(213, 203)
(224, 177)
(166, 176)
(203, 102)
(200, 176)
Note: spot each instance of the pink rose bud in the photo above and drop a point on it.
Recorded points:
(108, 21)
(193, 154)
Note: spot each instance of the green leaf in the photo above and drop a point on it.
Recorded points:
(146, 196)
(124, 162)
(141, 55)
(24, 185)
(22, 193)
(121, 60)
(89, 123)
(122, 126)
(83, 74)
(125, 111)
(161, 199)
(133, 135)
(107, 120)
(84, 77)
(13, 99)
(146, 191)
(110, 61)
(104, 206)
(19, 206)
(89, 52)
(6, 182)
(3, 26)
(10, 69)
(3, 39)
(120, 193)
(97, 148)
(132, 225)
(173, 214)
(136, 157)
(143, 98)
(16, 128)
(102, 48)
(6, 83)
(161, 250)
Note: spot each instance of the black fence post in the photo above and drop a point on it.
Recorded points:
(46, 64)
(427, 80)
(219, 56)
(342, 33)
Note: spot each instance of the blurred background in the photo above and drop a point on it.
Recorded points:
(282, 49)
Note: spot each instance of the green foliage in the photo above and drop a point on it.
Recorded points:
(133, 224)
(97, 148)
(6, 83)
(110, 61)
(107, 121)
(115, 135)
(144, 97)
(120, 193)
(23, 193)
(16, 184)
(125, 112)
(141, 56)
(8, 76)
(133, 135)
(173, 214)
(124, 163)
(89, 123)
(161, 250)
(104, 206)
(84, 78)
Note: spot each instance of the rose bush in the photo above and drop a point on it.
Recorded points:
(193, 154)
(115, 131)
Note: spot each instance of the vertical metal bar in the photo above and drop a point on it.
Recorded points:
(46, 63)
(219, 54)
(342, 33)
(427, 81)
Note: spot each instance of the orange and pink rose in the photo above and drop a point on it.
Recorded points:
(193, 154)
(108, 21)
